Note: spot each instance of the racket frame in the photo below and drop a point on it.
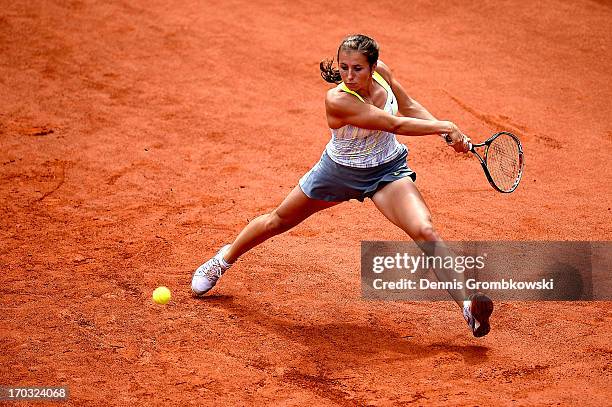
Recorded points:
(486, 144)
(483, 162)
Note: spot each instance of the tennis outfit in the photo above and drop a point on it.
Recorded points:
(357, 162)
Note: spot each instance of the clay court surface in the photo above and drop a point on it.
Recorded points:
(137, 137)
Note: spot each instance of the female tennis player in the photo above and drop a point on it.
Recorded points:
(362, 160)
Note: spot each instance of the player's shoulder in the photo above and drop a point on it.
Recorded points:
(337, 100)
(384, 71)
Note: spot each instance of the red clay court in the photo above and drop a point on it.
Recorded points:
(138, 137)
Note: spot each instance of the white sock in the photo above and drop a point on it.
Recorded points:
(222, 261)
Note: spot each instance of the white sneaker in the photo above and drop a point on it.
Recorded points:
(207, 275)
(476, 310)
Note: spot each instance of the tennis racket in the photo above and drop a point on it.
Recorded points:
(502, 160)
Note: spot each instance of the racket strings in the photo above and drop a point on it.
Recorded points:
(504, 162)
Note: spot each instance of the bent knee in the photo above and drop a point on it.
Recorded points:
(426, 233)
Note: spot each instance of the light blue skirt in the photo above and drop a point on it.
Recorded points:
(330, 181)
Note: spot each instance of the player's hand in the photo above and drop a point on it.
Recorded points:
(458, 141)
(462, 146)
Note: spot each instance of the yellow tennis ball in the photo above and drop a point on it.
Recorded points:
(161, 295)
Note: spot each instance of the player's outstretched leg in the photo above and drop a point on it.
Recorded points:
(294, 209)
(401, 203)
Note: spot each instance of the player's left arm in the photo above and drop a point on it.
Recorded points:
(407, 106)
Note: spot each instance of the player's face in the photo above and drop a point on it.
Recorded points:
(354, 69)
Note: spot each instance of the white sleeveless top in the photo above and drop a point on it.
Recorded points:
(362, 148)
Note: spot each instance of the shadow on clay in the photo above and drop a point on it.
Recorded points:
(345, 342)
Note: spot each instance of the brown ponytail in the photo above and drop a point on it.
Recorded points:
(328, 72)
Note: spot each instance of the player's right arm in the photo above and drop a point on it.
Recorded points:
(343, 108)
